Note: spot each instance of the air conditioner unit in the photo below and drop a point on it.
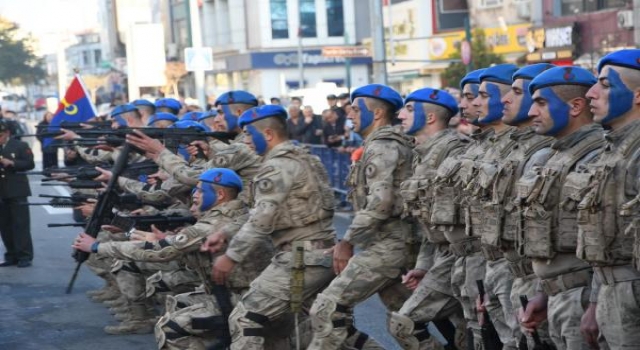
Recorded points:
(524, 9)
(625, 19)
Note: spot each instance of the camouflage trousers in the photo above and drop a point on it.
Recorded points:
(100, 264)
(375, 270)
(618, 314)
(527, 286)
(498, 280)
(269, 296)
(431, 300)
(466, 270)
(191, 321)
(564, 314)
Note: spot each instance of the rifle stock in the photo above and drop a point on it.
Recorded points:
(103, 208)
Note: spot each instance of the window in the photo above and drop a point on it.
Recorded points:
(573, 7)
(335, 18)
(489, 3)
(308, 18)
(97, 57)
(279, 19)
(86, 60)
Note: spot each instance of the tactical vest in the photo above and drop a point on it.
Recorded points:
(500, 219)
(548, 201)
(452, 175)
(310, 199)
(478, 188)
(357, 177)
(608, 207)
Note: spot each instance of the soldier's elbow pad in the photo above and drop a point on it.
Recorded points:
(382, 198)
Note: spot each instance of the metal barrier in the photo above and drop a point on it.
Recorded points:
(337, 165)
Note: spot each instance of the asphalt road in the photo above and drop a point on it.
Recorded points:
(35, 312)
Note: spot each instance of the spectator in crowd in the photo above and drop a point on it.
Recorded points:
(50, 152)
(332, 102)
(296, 101)
(275, 101)
(333, 130)
(312, 127)
(295, 124)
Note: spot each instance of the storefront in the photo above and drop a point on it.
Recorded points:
(270, 74)
(556, 45)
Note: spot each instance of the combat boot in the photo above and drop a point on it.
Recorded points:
(111, 294)
(118, 309)
(120, 301)
(137, 321)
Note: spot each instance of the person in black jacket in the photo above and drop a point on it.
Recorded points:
(15, 221)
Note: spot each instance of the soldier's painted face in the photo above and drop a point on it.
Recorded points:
(413, 117)
(255, 139)
(517, 103)
(549, 113)
(488, 105)
(609, 88)
(204, 196)
(360, 115)
(467, 110)
(225, 120)
(162, 124)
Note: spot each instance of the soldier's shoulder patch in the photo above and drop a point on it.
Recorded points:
(266, 171)
(370, 170)
(220, 161)
(265, 185)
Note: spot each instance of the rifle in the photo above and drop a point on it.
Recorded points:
(78, 199)
(77, 184)
(538, 344)
(75, 125)
(144, 222)
(103, 209)
(490, 338)
(67, 170)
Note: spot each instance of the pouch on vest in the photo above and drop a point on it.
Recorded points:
(444, 210)
(633, 230)
(534, 239)
(572, 191)
(592, 242)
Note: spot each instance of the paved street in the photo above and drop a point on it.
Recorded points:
(37, 314)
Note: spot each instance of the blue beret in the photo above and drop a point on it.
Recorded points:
(191, 116)
(142, 103)
(629, 58)
(222, 177)
(170, 103)
(562, 76)
(436, 97)
(380, 92)
(236, 96)
(208, 114)
(500, 73)
(531, 71)
(121, 109)
(471, 78)
(186, 124)
(256, 113)
(162, 116)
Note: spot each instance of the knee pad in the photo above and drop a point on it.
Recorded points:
(322, 315)
(155, 284)
(403, 329)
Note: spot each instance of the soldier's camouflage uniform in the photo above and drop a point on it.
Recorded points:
(548, 197)
(385, 240)
(609, 235)
(293, 203)
(433, 298)
(508, 275)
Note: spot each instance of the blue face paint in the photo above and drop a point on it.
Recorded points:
(259, 142)
(232, 120)
(209, 197)
(558, 111)
(525, 104)
(495, 106)
(366, 116)
(419, 118)
(182, 151)
(121, 122)
(620, 97)
(475, 88)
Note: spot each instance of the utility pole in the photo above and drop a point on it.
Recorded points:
(377, 37)
(300, 61)
(196, 42)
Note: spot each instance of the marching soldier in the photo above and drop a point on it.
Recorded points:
(548, 199)
(608, 235)
(377, 229)
(426, 115)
